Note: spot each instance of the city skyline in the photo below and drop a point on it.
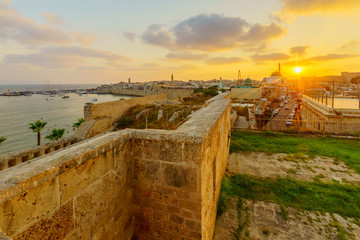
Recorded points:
(97, 42)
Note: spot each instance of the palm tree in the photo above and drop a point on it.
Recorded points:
(78, 123)
(56, 134)
(37, 127)
(2, 139)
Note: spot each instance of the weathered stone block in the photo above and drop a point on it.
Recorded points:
(77, 178)
(58, 226)
(146, 170)
(164, 150)
(180, 176)
(18, 212)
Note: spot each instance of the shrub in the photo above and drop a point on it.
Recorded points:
(125, 122)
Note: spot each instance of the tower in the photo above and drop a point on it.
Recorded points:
(172, 78)
(279, 68)
(129, 80)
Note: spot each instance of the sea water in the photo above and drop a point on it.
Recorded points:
(16, 112)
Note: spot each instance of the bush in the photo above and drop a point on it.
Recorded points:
(210, 92)
(124, 122)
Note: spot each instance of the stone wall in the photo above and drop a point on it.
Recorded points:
(318, 117)
(84, 192)
(171, 92)
(105, 114)
(151, 184)
(16, 158)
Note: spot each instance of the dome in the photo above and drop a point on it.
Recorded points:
(248, 81)
(276, 74)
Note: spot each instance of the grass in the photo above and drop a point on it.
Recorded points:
(346, 150)
(333, 197)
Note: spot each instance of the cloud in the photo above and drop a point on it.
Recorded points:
(16, 26)
(63, 57)
(129, 35)
(224, 60)
(299, 50)
(84, 38)
(212, 32)
(320, 58)
(270, 57)
(315, 6)
(52, 18)
(150, 65)
(333, 56)
(186, 56)
(350, 44)
(154, 35)
(44, 60)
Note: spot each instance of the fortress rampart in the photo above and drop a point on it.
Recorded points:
(101, 116)
(148, 184)
(15, 158)
(171, 92)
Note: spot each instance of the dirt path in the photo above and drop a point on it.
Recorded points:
(298, 166)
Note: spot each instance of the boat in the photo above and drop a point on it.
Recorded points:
(47, 99)
(94, 99)
(65, 96)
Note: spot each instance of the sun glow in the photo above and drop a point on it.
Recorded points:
(298, 69)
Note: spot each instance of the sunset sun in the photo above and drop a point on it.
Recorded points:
(298, 69)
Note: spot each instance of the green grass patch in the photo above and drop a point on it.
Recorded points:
(333, 197)
(346, 150)
(224, 197)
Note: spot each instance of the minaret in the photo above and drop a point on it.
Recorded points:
(129, 80)
(279, 68)
(172, 78)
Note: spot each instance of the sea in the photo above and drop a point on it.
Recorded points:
(16, 112)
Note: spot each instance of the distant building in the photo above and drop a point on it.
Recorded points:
(246, 91)
(347, 76)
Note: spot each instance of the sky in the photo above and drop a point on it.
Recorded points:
(102, 42)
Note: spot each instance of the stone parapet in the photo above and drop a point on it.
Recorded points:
(16, 158)
(148, 184)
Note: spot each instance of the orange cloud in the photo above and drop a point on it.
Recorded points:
(186, 56)
(299, 50)
(314, 6)
(63, 57)
(261, 58)
(224, 60)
